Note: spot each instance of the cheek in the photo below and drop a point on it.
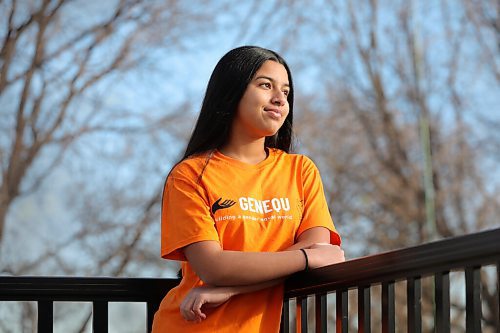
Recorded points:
(287, 111)
(248, 105)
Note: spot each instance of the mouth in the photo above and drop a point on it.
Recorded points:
(273, 113)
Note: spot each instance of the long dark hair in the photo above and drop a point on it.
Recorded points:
(226, 86)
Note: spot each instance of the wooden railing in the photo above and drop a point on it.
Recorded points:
(466, 253)
(100, 291)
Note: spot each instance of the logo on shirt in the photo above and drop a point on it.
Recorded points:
(264, 206)
(222, 205)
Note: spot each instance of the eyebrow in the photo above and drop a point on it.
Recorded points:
(270, 79)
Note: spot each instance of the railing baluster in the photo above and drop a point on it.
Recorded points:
(364, 304)
(342, 320)
(498, 297)
(388, 311)
(414, 300)
(285, 317)
(442, 295)
(45, 316)
(473, 299)
(301, 315)
(151, 308)
(100, 317)
(321, 318)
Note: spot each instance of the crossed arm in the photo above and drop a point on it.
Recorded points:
(228, 273)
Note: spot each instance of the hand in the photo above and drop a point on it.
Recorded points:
(195, 303)
(324, 254)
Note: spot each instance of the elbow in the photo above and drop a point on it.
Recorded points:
(213, 277)
(207, 277)
(208, 263)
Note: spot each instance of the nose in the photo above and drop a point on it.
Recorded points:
(279, 98)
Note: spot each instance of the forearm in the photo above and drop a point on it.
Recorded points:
(194, 305)
(241, 289)
(237, 290)
(302, 244)
(219, 267)
(234, 268)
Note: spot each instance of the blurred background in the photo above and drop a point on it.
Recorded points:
(397, 102)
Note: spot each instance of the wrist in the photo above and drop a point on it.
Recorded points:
(306, 258)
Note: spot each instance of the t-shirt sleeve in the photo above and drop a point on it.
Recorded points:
(185, 218)
(315, 208)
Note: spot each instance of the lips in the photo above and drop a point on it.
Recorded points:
(273, 113)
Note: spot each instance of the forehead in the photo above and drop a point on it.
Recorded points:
(273, 70)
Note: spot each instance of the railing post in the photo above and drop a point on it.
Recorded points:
(45, 316)
(364, 310)
(414, 301)
(442, 296)
(473, 299)
(321, 317)
(100, 317)
(285, 317)
(151, 308)
(498, 297)
(342, 320)
(301, 314)
(388, 311)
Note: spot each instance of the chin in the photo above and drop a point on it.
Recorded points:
(265, 131)
(270, 133)
(271, 130)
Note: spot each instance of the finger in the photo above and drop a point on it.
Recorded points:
(197, 304)
(197, 308)
(195, 317)
(188, 314)
(182, 310)
(186, 308)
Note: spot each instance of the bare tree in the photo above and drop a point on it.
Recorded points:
(60, 62)
(397, 99)
(53, 62)
(396, 80)
(387, 76)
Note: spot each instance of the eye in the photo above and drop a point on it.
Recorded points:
(286, 92)
(266, 85)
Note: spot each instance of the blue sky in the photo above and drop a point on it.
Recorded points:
(171, 76)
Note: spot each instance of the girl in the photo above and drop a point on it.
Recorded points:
(239, 211)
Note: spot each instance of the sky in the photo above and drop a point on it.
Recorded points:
(172, 77)
(169, 78)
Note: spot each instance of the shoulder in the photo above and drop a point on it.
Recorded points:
(190, 168)
(301, 160)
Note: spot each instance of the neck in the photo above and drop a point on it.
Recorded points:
(248, 151)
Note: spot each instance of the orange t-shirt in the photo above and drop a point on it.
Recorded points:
(258, 208)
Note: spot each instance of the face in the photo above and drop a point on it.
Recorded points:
(264, 105)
